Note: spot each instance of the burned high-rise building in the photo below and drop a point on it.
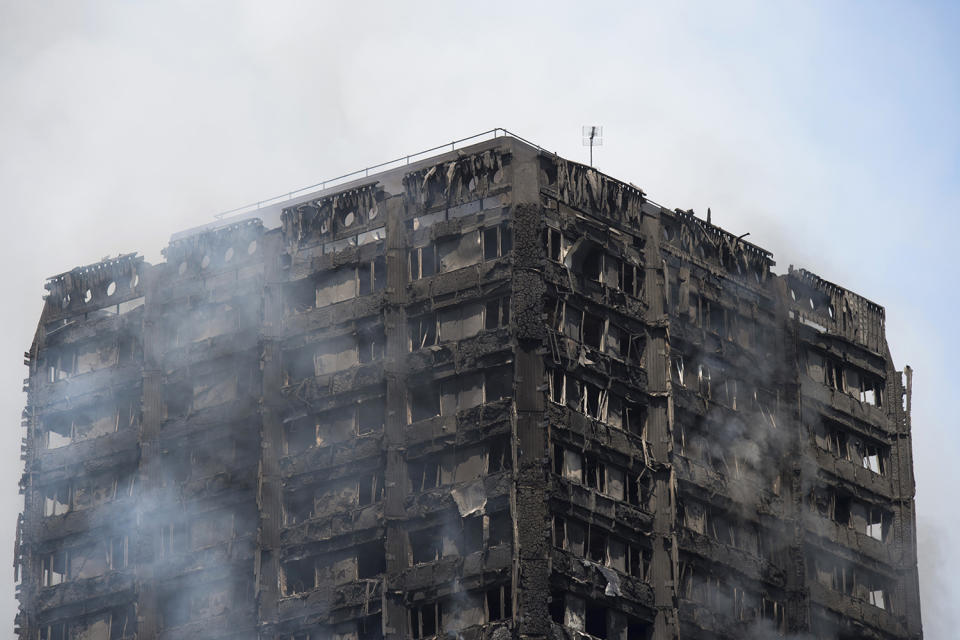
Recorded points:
(489, 394)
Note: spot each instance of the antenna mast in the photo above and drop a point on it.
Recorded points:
(592, 137)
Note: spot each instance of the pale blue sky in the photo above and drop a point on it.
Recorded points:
(827, 130)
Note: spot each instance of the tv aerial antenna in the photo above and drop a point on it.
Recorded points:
(592, 137)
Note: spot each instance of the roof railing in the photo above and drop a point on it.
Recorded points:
(365, 172)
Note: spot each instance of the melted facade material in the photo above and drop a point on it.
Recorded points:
(493, 394)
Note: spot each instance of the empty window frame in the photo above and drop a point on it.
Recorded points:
(372, 275)
(173, 539)
(86, 423)
(456, 393)
(370, 345)
(588, 470)
(426, 620)
(496, 313)
(423, 331)
(553, 244)
(299, 576)
(86, 561)
(845, 444)
(460, 321)
(423, 262)
(499, 603)
(497, 241)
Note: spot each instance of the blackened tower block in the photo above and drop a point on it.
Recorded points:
(491, 394)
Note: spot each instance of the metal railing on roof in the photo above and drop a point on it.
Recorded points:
(254, 206)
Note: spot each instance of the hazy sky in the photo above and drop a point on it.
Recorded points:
(829, 130)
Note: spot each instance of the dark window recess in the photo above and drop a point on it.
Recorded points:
(557, 607)
(370, 489)
(370, 416)
(501, 529)
(301, 434)
(423, 331)
(500, 456)
(593, 264)
(424, 475)
(499, 604)
(373, 275)
(635, 418)
(597, 549)
(424, 402)
(298, 364)
(370, 628)
(841, 509)
(425, 620)
(595, 623)
(472, 534)
(177, 399)
(423, 262)
(499, 383)
(301, 295)
(371, 561)
(425, 545)
(497, 241)
(174, 607)
(592, 330)
(596, 474)
(553, 243)
(298, 506)
(299, 576)
(497, 313)
(371, 346)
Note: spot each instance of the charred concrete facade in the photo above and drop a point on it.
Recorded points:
(494, 394)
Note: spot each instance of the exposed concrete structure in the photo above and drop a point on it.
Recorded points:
(493, 394)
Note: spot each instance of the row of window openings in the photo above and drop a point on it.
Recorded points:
(732, 462)
(332, 355)
(67, 361)
(856, 582)
(597, 403)
(86, 493)
(596, 545)
(181, 465)
(594, 331)
(447, 396)
(596, 265)
(457, 323)
(79, 563)
(203, 531)
(718, 526)
(713, 383)
(77, 425)
(463, 465)
(847, 446)
(361, 563)
(461, 538)
(863, 386)
(366, 628)
(337, 285)
(181, 605)
(717, 319)
(333, 426)
(864, 518)
(594, 619)
(449, 254)
(344, 494)
(447, 617)
(589, 471)
(709, 590)
(183, 327)
(119, 623)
